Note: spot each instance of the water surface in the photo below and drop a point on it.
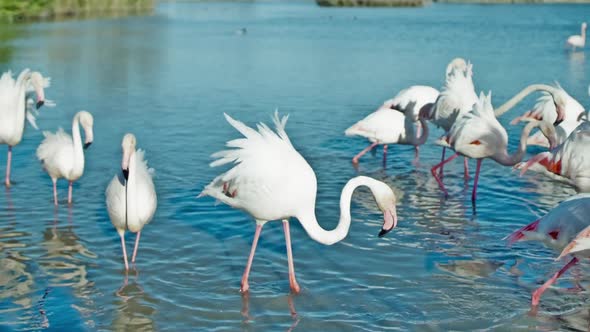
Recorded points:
(169, 77)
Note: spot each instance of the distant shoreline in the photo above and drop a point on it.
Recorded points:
(27, 10)
(421, 3)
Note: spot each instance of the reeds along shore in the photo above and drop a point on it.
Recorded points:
(18, 10)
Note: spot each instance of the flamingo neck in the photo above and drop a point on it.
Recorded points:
(315, 231)
(521, 95)
(21, 88)
(78, 151)
(505, 159)
(422, 139)
(131, 182)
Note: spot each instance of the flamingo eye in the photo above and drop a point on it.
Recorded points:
(476, 142)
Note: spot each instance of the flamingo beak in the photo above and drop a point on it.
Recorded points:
(389, 221)
(126, 174)
(86, 145)
(39, 104)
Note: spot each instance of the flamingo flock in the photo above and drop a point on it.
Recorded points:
(271, 180)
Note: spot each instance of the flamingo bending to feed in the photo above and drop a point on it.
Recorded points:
(578, 40)
(479, 135)
(566, 222)
(569, 162)
(455, 100)
(12, 108)
(131, 195)
(387, 126)
(545, 110)
(63, 156)
(272, 181)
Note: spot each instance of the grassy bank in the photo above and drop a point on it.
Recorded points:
(15, 10)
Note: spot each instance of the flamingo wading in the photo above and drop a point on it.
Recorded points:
(12, 108)
(62, 155)
(131, 195)
(272, 181)
(578, 40)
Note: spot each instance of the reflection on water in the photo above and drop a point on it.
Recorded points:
(134, 308)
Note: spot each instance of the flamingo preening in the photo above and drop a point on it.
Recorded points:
(12, 108)
(131, 195)
(564, 228)
(272, 181)
(62, 155)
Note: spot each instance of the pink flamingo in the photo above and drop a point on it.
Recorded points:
(569, 162)
(479, 135)
(272, 181)
(564, 223)
(578, 40)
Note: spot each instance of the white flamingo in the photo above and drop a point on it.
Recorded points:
(545, 110)
(456, 99)
(479, 135)
(562, 228)
(386, 126)
(63, 156)
(569, 162)
(12, 108)
(131, 196)
(272, 181)
(578, 40)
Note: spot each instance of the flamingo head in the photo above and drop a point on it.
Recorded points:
(386, 201)
(128, 146)
(37, 82)
(457, 64)
(87, 123)
(560, 100)
(426, 111)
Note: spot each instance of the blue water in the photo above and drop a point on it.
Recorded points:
(168, 78)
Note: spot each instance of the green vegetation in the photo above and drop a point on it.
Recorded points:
(15, 10)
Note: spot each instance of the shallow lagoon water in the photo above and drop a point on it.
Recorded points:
(169, 77)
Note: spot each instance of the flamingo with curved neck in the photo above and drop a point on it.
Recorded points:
(557, 94)
(479, 135)
(272, 181)
(63, 156)
(578, 40)
(12, 111)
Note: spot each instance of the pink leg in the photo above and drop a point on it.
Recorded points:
(8, 162)
(136, 245)
(539, 291)
(355, 160)
(384, 154)
(474, 193)
(70, 193)
(466, 167)
(245, 286)
(292, 281)
(416, 155)
(124, 251)
(440, 173)
(440, 165)
(54, 191)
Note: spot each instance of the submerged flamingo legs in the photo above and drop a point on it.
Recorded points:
(474, 193)
(135, 248)
(355, 160)
(440, 165)
(292, 281)
(245, 286)
(539, 291)
(8, 162)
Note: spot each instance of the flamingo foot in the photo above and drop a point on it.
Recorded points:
(536, 297)
(295, 289)
(244, 288)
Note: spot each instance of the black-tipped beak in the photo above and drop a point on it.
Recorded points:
(384, 231)
(86, 145)
(40, 103)
(557, 122)
(126, 174)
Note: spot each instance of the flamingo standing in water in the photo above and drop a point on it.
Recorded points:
(12, 108)
(566, 222)
(569, 162)
(63, 156)
(455, 100)
(545, 110)
(479, 135)
(578, 40)
(386, 126)
(131, 195)
(272, 181)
